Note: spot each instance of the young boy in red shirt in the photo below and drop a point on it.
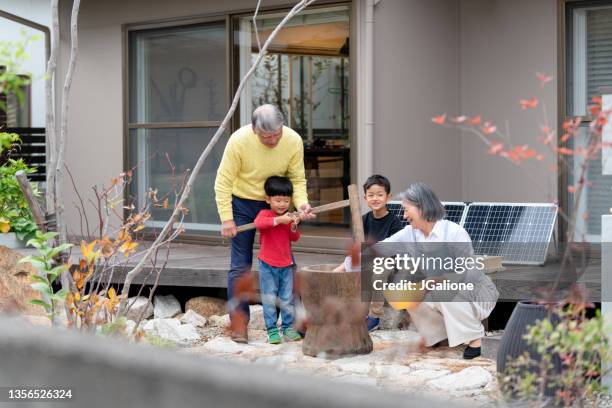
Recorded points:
(277, 228)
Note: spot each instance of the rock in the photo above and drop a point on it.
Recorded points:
(207, 306)
(277, 360)
(357, 380)
(15, 289)
(129, 327)
(139, 305)
(393, 371)
(429, 374)
(225, 345)
(467, 379)
(191, 317)
(394, 319)
(219, 321)
(400, 336)
(257, 321)
(166, 307)
(356, 367)
(427, 365)
(147, 325)
(172, 330)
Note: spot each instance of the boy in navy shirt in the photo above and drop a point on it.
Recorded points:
(378, 224)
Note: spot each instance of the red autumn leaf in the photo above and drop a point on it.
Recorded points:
(596, 100)
(529, 103)
(565, 150)
(595, 109)
(539, 157)
(565, 137)
(475, 121)
(528, 153)
(439, 120)
(496, 148)
(547, 139)
(488, 129)
(571, 189)
(543, 78)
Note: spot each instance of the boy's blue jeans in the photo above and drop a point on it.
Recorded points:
(276, 283)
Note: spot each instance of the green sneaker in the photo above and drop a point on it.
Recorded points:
(274, 337)
(290, 334)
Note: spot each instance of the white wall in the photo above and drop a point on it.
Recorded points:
(455, 56)
(416, 72)
(39, 12)
(503, 45)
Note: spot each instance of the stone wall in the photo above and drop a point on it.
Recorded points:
(106, 372)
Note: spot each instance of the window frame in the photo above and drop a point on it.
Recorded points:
(566, 94)
(128, 126)
(230, 87)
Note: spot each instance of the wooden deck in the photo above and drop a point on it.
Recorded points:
(207, 266)
(521, 282)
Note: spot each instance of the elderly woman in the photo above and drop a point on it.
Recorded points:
(458, 319)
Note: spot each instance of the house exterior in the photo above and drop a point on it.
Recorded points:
(359, 80)
(37, 18)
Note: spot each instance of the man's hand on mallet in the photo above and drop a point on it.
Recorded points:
(305, 212)
(228, 229)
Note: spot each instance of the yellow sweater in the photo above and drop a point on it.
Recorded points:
(247, 163)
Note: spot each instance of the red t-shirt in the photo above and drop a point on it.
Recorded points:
(275, 241)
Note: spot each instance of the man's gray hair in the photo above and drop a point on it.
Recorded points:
(267, 118)
(423, 197)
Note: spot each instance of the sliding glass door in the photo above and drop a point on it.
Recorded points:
(178, 83)
(306, 74)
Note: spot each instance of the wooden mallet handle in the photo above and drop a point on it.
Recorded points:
(315, 210)
(357, 221)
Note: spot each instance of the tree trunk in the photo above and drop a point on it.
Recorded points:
(336, 314)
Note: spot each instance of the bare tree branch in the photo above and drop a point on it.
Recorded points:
(255, 26)
(61, 145)
(50, 108)
(185, 194)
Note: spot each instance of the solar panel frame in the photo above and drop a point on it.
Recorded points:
(543, 239)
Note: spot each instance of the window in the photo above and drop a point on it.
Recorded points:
(15, 109)
(177, 99)
(306, 74)
(589, 45)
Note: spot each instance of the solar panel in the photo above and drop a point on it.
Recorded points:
(518, 232)
(454, 211)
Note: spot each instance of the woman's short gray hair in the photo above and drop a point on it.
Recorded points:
(423, 197)
(267, 118)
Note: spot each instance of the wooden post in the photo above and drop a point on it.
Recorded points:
(37, 213)
(356, 219)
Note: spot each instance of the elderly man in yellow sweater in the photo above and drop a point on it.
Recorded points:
(253, 153)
